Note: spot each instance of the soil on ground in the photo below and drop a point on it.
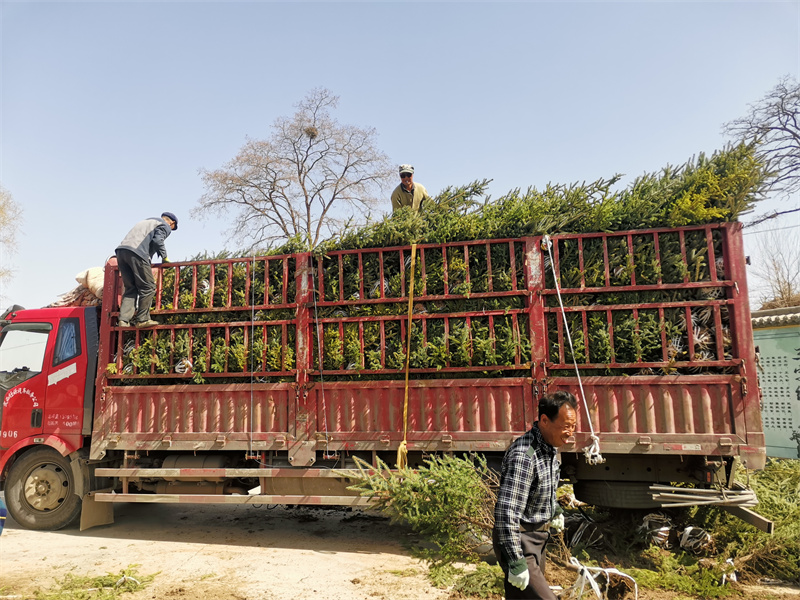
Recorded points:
(219, 552)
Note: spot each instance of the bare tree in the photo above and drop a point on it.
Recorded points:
(307, 181)
(777, 266)
(10, 221)
(773, 123)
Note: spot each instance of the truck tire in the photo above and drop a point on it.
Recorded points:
(616, 494)
(40, 491)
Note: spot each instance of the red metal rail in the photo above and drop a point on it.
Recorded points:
(306, 350)
(241, 317)
(696, 288)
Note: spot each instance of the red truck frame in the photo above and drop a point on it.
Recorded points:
(269, 374)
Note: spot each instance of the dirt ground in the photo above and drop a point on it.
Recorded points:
(216, 552)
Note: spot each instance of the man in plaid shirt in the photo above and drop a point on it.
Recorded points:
(526, 501)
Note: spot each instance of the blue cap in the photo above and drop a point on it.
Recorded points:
(171, 216)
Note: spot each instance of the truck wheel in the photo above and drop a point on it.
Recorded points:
(40, 491)
(616, 494)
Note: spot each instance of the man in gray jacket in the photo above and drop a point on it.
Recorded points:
(133, 258)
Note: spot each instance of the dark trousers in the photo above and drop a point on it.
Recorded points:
(533, 549)
(139, 287)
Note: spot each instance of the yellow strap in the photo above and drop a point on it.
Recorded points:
(402, 450)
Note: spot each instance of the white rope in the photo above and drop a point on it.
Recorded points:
(585, 576)
(592, 452)
(578, 588)
(126, 579)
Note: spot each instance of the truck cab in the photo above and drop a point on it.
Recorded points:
(48, 359)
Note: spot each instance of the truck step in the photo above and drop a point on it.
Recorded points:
(224, 473)
(230, 499)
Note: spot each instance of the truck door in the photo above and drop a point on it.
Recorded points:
(66, 380)
(23, 382)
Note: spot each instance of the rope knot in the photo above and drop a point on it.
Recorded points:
(402, 455)
(592, 453)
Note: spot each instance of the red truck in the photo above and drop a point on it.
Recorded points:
(269, 374)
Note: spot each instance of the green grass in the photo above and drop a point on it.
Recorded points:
(104, 587)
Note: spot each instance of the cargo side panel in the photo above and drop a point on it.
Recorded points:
(191, 417)
(658, 324)
(445, 414)
(661, 415)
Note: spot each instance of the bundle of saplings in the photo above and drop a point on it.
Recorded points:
(363, 308)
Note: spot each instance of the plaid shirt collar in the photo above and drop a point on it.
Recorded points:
(544, 447)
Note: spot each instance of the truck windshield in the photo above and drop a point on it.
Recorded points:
(22, 348)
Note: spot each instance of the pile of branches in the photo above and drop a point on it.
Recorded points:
(706, 189)
(450, 500)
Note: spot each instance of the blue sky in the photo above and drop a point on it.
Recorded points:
(109, 109)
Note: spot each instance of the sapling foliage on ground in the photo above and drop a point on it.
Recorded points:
(450, 500)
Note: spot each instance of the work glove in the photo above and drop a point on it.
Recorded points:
(557, 522)
(518, 574)
(165, 260)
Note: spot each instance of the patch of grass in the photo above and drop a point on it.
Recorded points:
(105, 587)
(486, 581)
(681, 573)
(403, 572)
(483, 581)
(443, 575)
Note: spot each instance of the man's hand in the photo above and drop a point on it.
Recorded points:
(165, 260)
(557, 522)
(518, 574)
